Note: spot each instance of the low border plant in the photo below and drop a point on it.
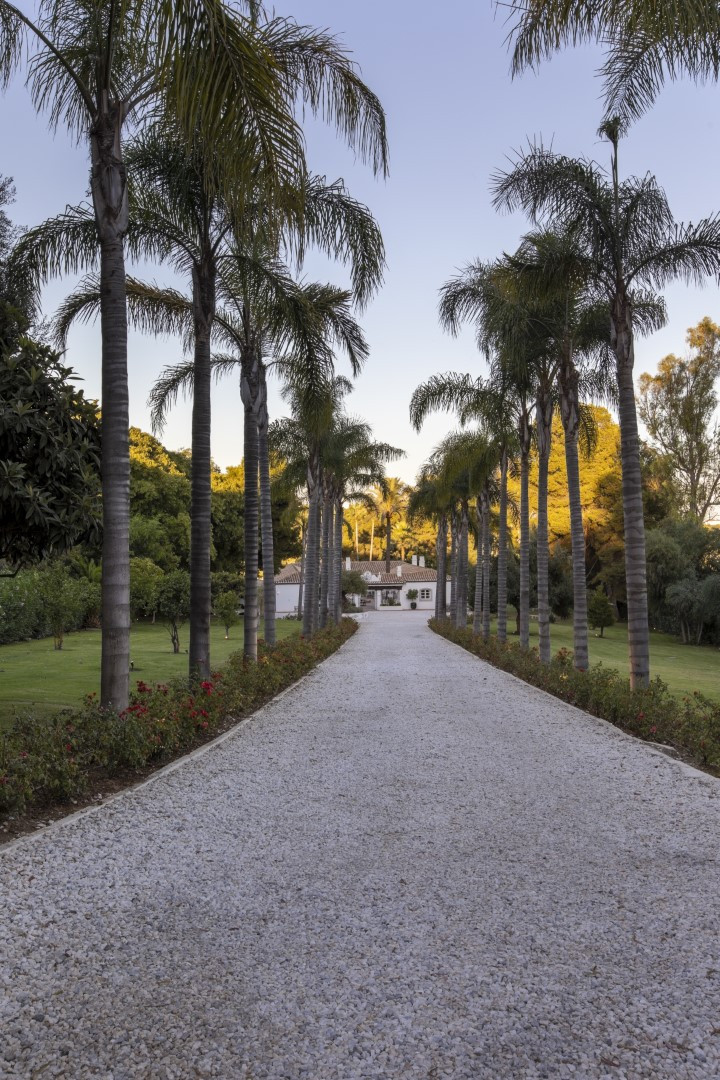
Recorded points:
(45, 761)
(691, 726)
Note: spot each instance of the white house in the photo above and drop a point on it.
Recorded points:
(386, 592)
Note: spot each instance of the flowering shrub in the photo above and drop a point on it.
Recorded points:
(692, 725)
(49, 760)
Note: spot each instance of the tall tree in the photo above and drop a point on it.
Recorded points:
(678, 406)
(627, 230)
(391, 500)
(97, 68)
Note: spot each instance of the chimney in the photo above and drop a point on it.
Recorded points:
(414, 560)
(422, 560)
(399, 570)
(348, 563)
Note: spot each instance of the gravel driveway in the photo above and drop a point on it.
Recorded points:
(411, 865)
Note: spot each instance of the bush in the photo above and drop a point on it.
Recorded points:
(37, 603)
(692, 726)
(50, 760)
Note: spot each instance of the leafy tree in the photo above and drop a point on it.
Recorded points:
(17, 300)
(352, 584)
(146, 578)
(173, 603)
(226, 609)
(678, 406)
(49, 457)
(600, 611)
(222, 581)
(64, 600)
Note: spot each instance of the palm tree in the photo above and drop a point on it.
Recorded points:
(95, 68)
(627, 230)
(646, 42)
(352, 462)
(391, 500)
(470, 460)
(430, 498)
(554, 269)
(489, 403)
(479, 294)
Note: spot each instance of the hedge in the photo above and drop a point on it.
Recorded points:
(691, 726)
(51, 760)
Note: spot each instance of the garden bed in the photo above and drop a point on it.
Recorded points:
(691, 725)
(52, 766)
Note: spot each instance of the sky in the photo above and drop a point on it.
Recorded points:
(454, 116)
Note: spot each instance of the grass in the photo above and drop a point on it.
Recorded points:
(684, 668)
(34, 676)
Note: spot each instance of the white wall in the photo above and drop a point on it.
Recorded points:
(286, 598)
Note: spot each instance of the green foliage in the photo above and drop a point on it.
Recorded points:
(600, 611)
(353, 583)
(39, 602)
(173, 603)
(652, 713)
(225, 607)
(49, 457)
(48, 760)
(145, 580)
(222, 581)
(678, 406)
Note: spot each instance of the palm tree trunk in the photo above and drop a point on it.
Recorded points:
(502, 553)
(570, 414)
(200, 491)
(388, 541)
(477, 607)
(312, 557)
(544, 429)
(486, 563)
(441, 589)
(115, 586)
(524, 613)
(327, 517)
(338, 562)
(303, 549)
(266, 530)
(372, 537)
(462, 570)
(250, 619)
(357, 538)
(634, 525)
(453, 566)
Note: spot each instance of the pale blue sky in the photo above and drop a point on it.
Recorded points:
(442, 73)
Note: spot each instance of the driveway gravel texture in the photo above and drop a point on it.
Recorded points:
(410, 865)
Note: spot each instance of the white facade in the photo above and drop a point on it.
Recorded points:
(386, 592)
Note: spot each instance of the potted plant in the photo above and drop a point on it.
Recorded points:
(412, 595)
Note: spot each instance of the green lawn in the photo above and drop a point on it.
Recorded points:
(683, 667)
(34, 676)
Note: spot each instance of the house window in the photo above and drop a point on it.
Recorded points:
(426, 594)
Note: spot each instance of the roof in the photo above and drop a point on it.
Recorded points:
(290, 574)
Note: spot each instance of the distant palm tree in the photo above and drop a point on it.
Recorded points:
(430, 498)
(627, 230)
(391, 500)
(352, 463)
(486, 402)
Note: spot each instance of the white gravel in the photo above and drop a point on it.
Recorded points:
(412, 865)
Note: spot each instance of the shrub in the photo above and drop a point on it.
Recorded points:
(692, 726)
(600, 611)
(50, 760)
